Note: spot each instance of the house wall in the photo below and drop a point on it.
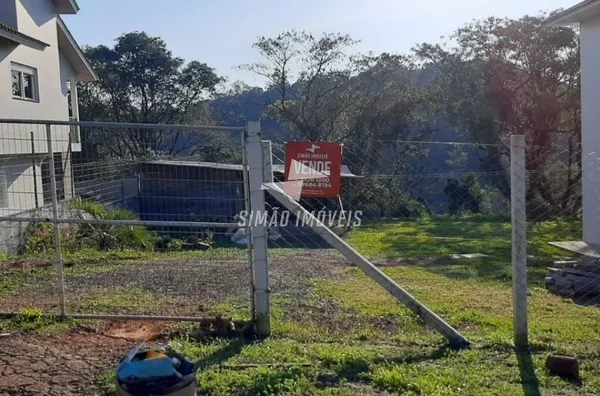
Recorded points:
(590, 101)
(13, 233)
(8, 13)
(19, 173)
(37, 19)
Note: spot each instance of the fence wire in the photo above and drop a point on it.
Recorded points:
(435, 216)
(562, 191)
(562, 285)
(144, 213)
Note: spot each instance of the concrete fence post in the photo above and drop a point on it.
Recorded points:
(518, 193)
(246, 181)
(256, 167)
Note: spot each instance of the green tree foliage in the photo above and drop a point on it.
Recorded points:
(464, 196)
(500, 77)
(367, 102)
(520, 77)
(140, 81)
(312, 77)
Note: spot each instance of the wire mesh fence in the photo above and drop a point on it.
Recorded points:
(555, 249)
(500, 240)
(562, 212)
(435, 216)
(123, 219)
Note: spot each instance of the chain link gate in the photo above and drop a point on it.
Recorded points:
(123, 221)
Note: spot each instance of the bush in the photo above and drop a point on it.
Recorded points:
(112, 236)
(40, 238)
(175, 244)
(385, 198)
(464, 196)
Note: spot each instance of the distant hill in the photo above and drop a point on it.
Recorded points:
(251, 104)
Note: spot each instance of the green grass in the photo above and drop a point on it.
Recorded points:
(436, 237)
(347, 366)
(32, 320)
(39, 267)
(120, 300)
(349, 337)
(409, 359)
(370, 344)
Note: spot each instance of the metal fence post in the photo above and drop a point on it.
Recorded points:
(518, 193)
(59, 261)
(33, 165)
(254, 154)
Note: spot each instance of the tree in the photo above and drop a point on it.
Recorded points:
(509, 77)
(367, 102)
(140, 81)
(312, 79)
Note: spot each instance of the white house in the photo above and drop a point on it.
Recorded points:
(587, 15)
(40, 63)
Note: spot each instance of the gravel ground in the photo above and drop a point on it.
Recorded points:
(176, 286)
(73, 363)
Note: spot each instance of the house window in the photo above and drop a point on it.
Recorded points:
(24, 82)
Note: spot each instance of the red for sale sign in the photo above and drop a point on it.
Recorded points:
(315, 167)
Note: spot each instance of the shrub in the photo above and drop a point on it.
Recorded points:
(33, 319)
(208, 237)
(464, 195)
(385, 198)
(175, 244)
(112, 236)
(40, 238)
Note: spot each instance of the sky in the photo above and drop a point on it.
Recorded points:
(221, 32)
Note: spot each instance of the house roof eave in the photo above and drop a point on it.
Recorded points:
(14, 35)
(66, 6)
(576, 14)
(69, 47)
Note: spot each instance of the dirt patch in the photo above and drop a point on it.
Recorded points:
(14, 304)
(71, 363)
(411, 262)
(136, 331)
(68, 364)
(327, 314)
(396, 262)
(28, 263)
(292, 276)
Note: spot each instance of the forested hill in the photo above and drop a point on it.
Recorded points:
(244, 103)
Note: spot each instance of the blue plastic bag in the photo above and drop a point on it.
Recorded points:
(130, 370)
(146, 369)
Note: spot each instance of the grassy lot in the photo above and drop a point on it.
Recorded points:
(353, 338)
(349, 337)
